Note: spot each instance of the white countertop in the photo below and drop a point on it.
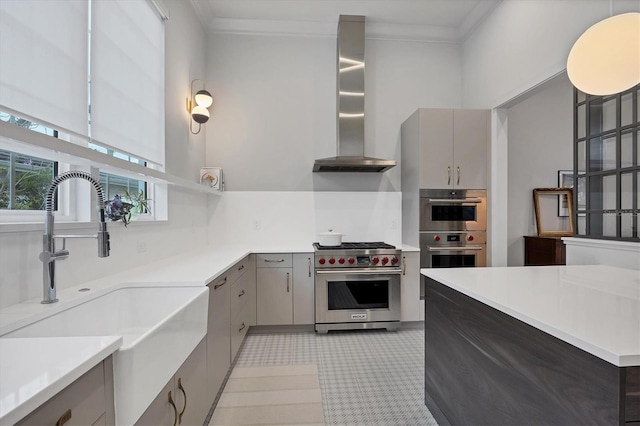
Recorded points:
(28, 378)
(593, 307)
(34, 370)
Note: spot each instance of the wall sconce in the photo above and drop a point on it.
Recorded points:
(606, 59)
(197, 106)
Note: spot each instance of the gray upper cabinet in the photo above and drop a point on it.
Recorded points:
(451, 145)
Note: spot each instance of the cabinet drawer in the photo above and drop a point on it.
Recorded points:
(237, 270)
(274, 260)
(242, 291)
(239, 327)
(84, 400)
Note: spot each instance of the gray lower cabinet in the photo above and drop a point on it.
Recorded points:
(184, 399)
(303, 288)
(243, 304)
(87, 401)
(274, 274)
(218, 334)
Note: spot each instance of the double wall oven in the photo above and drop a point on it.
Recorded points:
(357, 286)
(453, 228)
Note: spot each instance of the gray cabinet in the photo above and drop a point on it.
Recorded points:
(303, 288)
(232, 310)
(87, 401)
(412, 308)
(274, 288)
(218, 334)
(184, 399)
(451, 145)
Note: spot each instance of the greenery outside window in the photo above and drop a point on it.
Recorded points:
(607, 165)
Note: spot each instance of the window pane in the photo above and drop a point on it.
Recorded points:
(124, 187)
(582, 122)
(626, 191)
(609, 196)
(626, 150)
(581, 96)
(24, 181)
(626, 109)
(609, 225)
(582, 225)
(602, 153)
(626, 220)
(582, 156)
(582, 194)
(602, 115)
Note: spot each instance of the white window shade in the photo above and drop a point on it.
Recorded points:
(43, 61)
(127, 78)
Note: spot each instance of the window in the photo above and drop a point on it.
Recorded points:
(607, 165)
(24, 180)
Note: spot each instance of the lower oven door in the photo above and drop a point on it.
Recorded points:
(357, 296)
(469, 256)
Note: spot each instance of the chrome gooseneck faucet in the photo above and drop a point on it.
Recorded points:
(49, 254)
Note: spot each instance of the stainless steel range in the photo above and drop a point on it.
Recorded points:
(357, 286)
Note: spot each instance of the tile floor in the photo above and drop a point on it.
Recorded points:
(367, 377)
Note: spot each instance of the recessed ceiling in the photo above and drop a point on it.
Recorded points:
(429, 20)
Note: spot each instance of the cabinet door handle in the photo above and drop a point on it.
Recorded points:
(185, 400)
(65, 417)
(309, 260)
(175, 410)
(241, 268)
(274, 260)
(241, 293)
(287, 282)
(458, 168)
(448, 175)
(241, 328)
(217, 286)
(404, 264)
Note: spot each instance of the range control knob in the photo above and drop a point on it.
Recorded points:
(341, 260)
(321, 261)
(394, 260)
(332, 261)
(385, 260)
(352, 260)
(470, 238)
(436, 238)
(375, 260)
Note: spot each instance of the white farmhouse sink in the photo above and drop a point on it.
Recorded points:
(160, 326)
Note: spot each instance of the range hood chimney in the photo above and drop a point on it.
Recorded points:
(350, 95)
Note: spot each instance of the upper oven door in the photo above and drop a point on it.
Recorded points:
(357, 295)
(445, 210)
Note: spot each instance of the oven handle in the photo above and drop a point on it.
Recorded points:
(460, 248)
(376, 271)
(454, 200)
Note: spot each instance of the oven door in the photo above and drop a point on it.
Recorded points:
(440, 211)
(357, 295)
(469, 256)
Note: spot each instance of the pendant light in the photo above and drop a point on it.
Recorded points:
(606, 58)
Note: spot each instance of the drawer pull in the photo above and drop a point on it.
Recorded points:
(274, 260)
(404, 263)
(241, 293)
(241, 268)
(287, 282)
(64, 418)
(175, 410)
(185, 400)
(309, 261)
(217, 286)
(241, 328)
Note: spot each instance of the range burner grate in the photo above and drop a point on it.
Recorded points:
(356, 246)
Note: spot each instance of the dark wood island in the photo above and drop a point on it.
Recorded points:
(552, 345)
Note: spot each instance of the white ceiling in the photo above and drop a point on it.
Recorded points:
(428, 20)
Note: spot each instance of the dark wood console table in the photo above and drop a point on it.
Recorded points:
(539, 251)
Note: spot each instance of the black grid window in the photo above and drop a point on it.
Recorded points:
(607, 165)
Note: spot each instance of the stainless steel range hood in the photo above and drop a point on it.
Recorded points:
(350, 95)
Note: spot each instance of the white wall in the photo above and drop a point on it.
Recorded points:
(275, 107)
(540, 142)
(21, 271)
(525, 42)
(294, 218)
